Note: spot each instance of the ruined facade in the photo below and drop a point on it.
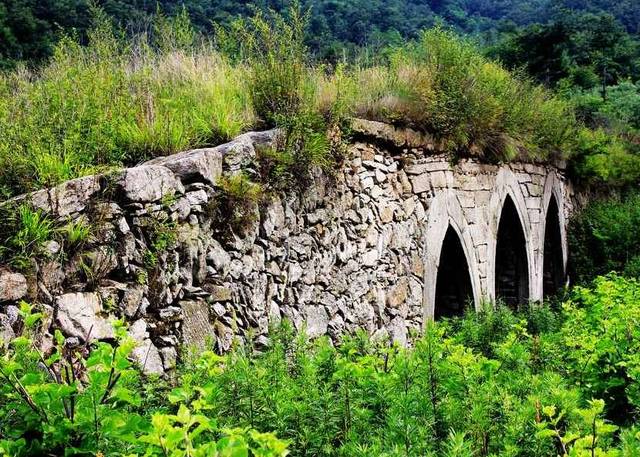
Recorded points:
(397, 236)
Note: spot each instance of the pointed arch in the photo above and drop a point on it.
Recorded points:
(553, 271)
(507, 186)
(512, 273)
(445, 213)
(554, 189)
(454, 290)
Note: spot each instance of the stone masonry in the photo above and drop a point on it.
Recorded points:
(360, 249)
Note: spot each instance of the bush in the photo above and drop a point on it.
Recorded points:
(603, 238)
(283, 91)
(602, 341)
(444, 86)
(85, 400)
(570, 389)
(604, 159)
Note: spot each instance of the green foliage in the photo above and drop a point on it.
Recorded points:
(603, 342)
(605, 159)
(77, 232)
(85, 399)
(535, 384)
(70, 401)
(283, 91)
(603, 238)
(24, 230)
(580, 49)
(439, 398)
(444, 86)
(115, 102)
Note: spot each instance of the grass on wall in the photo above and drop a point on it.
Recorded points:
(114, 102)
(118, 101)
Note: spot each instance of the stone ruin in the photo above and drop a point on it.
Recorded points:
(399, 235)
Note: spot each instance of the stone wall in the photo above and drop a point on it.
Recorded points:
(359, 249)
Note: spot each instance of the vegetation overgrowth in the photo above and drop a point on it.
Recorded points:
(603, 237)
(541, 383)
(118, 100)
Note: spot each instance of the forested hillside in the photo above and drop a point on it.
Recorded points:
(29, 28)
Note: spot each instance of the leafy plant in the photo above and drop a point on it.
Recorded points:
(25, 229)
(602, 238)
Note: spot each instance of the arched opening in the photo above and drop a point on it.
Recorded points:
(453, 285)
(512, 272)
(553, 265)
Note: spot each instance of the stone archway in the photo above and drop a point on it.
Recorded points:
(553, 272)
(445, 216)
(512, 282)
(454, 289)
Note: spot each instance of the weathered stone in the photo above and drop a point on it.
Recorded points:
(67, 198)
(132, 300)
(397, 295)
(13, 286)
(197, 330)
(240, 153)
(169, 357)
(80, 315)
(202, 164)
(421, 183)
(6, 331)
(149, 183)
(145, 353)
(317, 321)
(171, 313)
(398, 331)
(219, 293)
(51, 248)
(397, 136)
(197, 198)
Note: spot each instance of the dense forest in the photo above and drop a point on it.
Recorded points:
(29, 28)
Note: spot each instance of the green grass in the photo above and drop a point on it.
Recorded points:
(442, 85)
(115, 102)
(118, 101)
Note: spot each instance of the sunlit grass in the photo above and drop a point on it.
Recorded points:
(114, 103)
(117, 102)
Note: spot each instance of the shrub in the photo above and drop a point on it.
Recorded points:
(283, 89)
(604, 159)
(602, 238)
(529, 395)
(444, 86)
(602, 338)
(84, 400)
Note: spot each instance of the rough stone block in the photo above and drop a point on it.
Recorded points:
(149, 183)
(13, 286)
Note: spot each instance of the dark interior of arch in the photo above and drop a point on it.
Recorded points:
(553, 271)
(453, 286)
(512, 275)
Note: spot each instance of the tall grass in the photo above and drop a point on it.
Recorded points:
(442, 85)
(118, 101)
